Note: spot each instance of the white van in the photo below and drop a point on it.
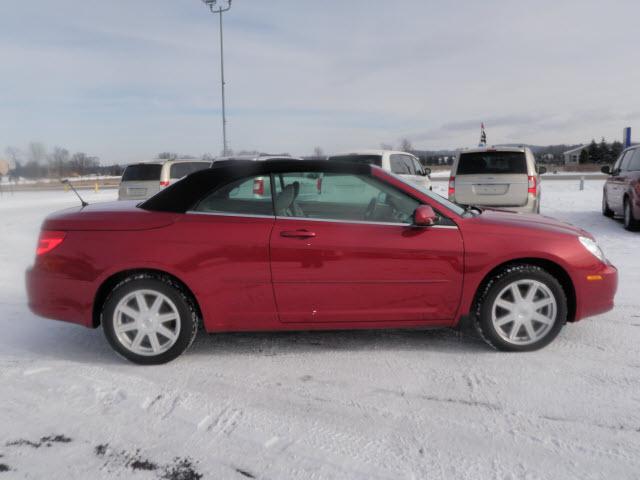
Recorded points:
(403, 164)
(501, 177)
(143, 180)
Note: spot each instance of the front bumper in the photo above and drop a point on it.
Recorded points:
(595, 296)
(58, 297)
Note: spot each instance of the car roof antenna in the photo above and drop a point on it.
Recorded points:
(67, 182)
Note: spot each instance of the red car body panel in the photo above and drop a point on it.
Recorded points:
(365, 272)
(247, 276)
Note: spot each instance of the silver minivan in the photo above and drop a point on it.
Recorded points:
(500, 177)
(404, 164)
(143, 180)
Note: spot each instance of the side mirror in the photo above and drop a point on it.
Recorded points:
(606, 169)
(427, 171)
(542, 170)
(424, 216)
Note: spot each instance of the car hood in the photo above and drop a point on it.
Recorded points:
(527, 221)
(122, 215)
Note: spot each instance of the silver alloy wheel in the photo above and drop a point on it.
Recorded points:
(146, 322)
(524, 312)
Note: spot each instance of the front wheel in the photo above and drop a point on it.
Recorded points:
(606, 211)
(149, 320)
(522, 308)
(630, 222)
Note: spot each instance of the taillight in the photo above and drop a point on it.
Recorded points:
(319, 185)
(258, 186)
(49, 239)
(452, 186)
(533, 186)
(164, 183)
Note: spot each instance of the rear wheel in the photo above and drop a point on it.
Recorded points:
(606, 211)
(630, 222)
(149, 320)
(522, 308)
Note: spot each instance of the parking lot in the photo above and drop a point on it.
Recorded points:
(368, 404)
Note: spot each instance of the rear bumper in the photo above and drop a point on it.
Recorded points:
(59, 298)
(594, 297)
(530, 207)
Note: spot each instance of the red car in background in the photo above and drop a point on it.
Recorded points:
(321, 245)
(621, 194)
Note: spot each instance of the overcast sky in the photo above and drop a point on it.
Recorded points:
(126, 79)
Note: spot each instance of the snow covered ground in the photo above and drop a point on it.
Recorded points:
(375, 404)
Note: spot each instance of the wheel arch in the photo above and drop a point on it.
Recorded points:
(110, 282)
(550, 266)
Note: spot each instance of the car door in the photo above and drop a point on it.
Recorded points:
(632, 177)
(350, 254)
(226, 242)
(403, 166)
(421, 178)
(609, 185)
(617, 183)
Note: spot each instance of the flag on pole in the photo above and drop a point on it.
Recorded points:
(483, 136)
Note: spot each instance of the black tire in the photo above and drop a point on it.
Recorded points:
(187, 312)
(630, 222)
(490, 291)
(606, 211)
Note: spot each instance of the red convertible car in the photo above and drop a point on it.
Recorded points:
(303, 245)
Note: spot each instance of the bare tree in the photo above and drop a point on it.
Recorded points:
(318, 152)
(37, 152)
(15, 156)
(386, 146)
(167, 156)
(59, 160)
(405, 145)
(81, 163)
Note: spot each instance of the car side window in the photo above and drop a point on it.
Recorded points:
(616, 166)
(634, 164)
(417, 166)
(397, 165)
(409, 165)
(624, 163)
(342, 197)
(247, 196)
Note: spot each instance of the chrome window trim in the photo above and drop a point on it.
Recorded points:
(276, 217)
(360, 222)
(228, 214)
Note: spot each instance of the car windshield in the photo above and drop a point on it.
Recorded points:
(364, 159)
(182, 169)
(454, 207)
(477, 163)
(142, 172)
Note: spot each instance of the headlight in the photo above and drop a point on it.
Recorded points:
(593, 248)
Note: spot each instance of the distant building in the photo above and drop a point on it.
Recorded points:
(572, 157)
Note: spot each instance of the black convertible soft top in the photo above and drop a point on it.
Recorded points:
(183, 195)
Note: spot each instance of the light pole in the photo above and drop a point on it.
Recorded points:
(219, 9)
